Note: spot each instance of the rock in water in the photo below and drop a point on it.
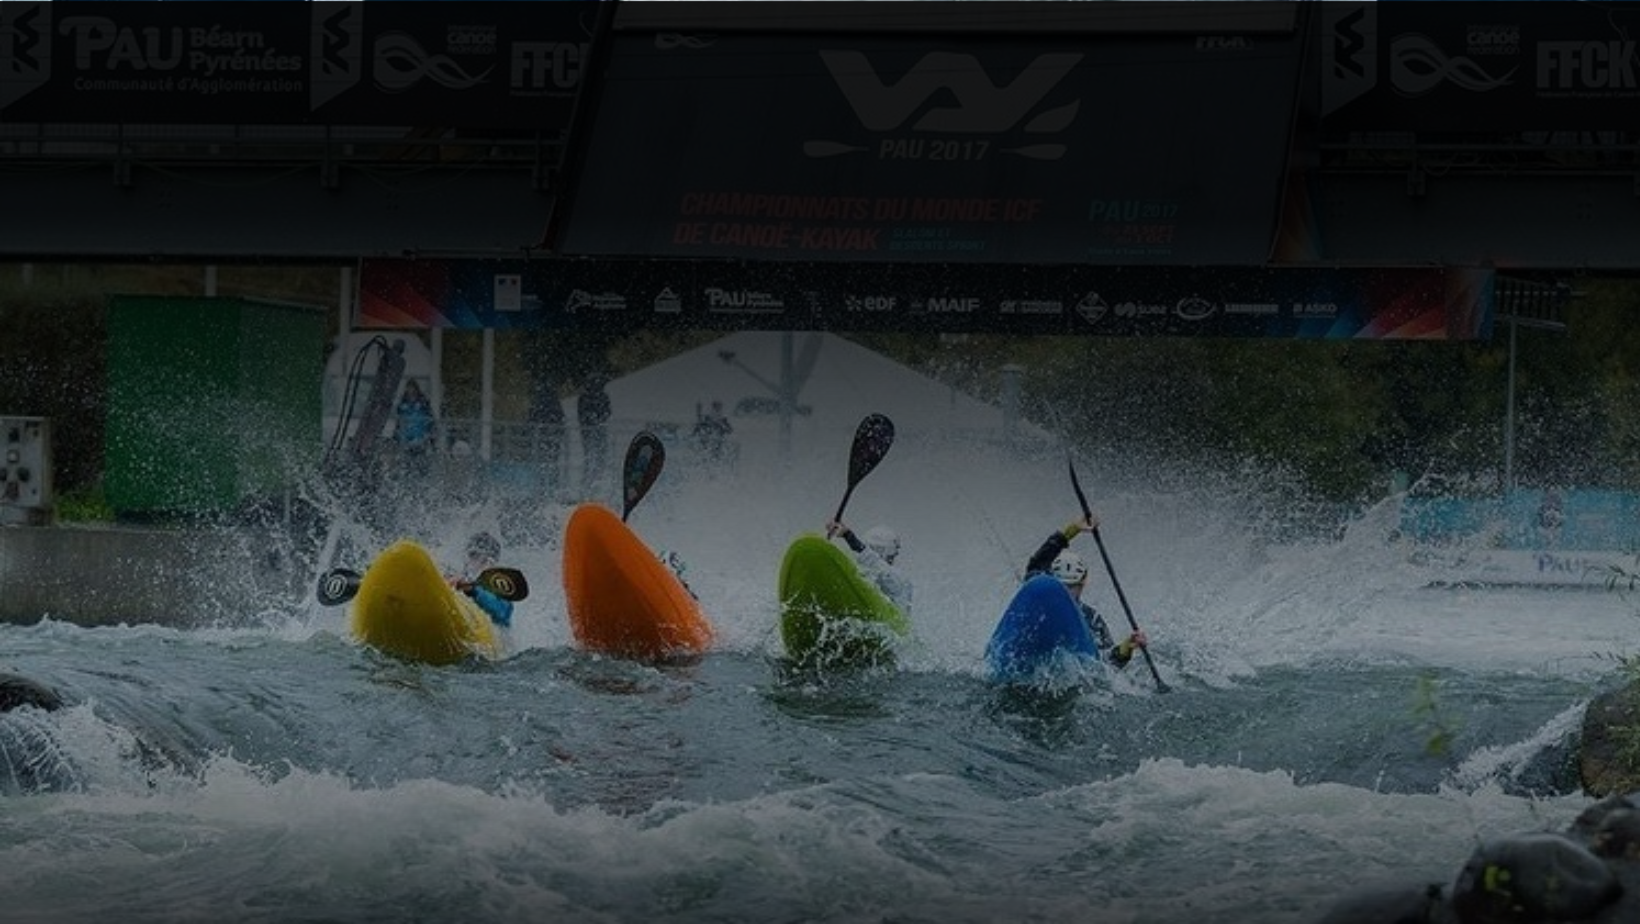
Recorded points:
(1532, 878)
(18, 691)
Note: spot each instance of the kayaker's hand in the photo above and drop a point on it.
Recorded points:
(1085, 525)
(835, 527)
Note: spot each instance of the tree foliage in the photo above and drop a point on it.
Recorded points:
(1346, 419)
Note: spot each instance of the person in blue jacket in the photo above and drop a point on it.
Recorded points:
(1055, 557)
(483, 551)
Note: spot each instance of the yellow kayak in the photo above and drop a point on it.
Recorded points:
(406, 608)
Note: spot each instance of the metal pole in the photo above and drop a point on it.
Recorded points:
(486, 399)
(344, 303)
(435, 376)
(1011, 375)
(1509, 415)
(788, 395)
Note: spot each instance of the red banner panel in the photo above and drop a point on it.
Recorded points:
(918, 146)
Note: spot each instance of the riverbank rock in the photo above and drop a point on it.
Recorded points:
(1609, 754)
(18, 691)
(1589, 874)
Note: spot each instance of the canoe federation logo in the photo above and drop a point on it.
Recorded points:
(912, 118)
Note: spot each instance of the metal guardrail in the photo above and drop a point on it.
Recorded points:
(328, 148)
(1547, 152)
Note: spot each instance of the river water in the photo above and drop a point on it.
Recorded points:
(1333, 723)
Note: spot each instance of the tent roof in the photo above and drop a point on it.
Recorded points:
(846, 381)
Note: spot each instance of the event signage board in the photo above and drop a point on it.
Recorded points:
(1377, 303)
(918, 148)
(1491, 67)
(474, 65)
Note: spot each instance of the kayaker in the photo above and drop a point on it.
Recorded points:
(875, 558)
(712, 431)
(483, 551)
(1054, 557)
(415, 428)
(679, 567)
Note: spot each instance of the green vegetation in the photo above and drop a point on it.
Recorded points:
(1336, 420)
(1426, 706)
(83, 505)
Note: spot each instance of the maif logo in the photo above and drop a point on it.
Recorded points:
(25, 49)
(919, 101)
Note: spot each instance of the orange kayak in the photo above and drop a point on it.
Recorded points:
(622, 599)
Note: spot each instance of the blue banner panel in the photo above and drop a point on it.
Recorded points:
(470, 65)
(920, 147)
(1380, 303)
(1495, 67)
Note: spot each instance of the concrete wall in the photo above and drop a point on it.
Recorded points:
(107, 575)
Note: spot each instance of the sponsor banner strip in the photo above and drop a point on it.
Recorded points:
(479, 64)
(1372, 303)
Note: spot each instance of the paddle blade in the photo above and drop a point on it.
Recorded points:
(506, 583)
(338, 586)
(871, 442)
(644, 459)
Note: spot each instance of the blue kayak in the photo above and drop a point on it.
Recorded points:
(1040, 635)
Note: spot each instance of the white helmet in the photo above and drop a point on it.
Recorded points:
(1069, 568)
(884, 541)
(484, 546)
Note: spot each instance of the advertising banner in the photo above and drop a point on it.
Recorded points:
(912, 147)
(1497, 67)
(469, 65)
(1381, 303)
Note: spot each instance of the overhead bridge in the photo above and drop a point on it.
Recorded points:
(1251, 169)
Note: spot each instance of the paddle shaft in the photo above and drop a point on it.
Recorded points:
(1110, 569)
(840, 507)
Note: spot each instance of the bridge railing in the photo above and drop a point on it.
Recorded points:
(241, 145)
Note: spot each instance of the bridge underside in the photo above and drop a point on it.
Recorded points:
(1052, 162)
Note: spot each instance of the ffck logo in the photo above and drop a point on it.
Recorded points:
(919, 101)
(25, 49)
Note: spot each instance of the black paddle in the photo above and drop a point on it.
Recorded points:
(340, 585)
(644, 459)
(871, 441)
(1099, 541)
